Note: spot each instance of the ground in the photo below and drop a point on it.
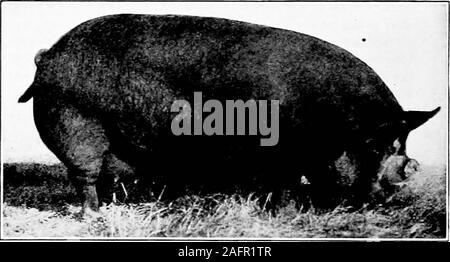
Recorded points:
(39, 202)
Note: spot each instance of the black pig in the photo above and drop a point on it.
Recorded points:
(103, 93)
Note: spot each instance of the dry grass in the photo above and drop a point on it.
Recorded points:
(34, 209)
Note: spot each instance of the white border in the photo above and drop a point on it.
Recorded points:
(233, 240)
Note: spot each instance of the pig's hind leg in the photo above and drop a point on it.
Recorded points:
(79, 141)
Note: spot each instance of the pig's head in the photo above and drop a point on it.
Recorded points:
(389, 146)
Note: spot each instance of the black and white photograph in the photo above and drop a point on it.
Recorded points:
(209, 121)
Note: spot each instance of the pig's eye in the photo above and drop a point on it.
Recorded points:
(391, 150)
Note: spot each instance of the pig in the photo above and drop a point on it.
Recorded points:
(103, 96)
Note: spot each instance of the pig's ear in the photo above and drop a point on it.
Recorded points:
(409, 120)
(414, 119)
